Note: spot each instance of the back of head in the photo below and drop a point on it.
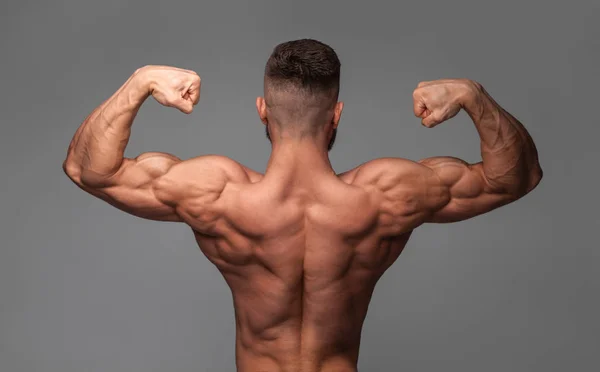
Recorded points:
(302, 80)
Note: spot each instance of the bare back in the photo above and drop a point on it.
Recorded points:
(301, 250)
(302, 261)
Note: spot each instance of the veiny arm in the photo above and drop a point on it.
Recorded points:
(95, 159)
(447, 189)
(509, 168)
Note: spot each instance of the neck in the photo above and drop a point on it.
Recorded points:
(302, 158)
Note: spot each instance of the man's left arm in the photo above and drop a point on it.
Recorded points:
(95, 160)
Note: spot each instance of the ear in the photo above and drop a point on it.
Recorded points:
(337, 114)
(261, 108)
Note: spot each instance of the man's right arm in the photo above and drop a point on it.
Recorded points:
(447, 189)
(509, 168)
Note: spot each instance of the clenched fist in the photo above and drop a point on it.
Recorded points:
(439, 100)
(171, 86)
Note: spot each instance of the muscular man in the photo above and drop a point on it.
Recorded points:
(300, 246)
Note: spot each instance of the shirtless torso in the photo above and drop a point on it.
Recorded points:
(302, 260)
(300, 247)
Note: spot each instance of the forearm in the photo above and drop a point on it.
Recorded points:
(96, 151)
(510, 160)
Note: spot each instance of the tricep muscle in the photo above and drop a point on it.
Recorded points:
(132, 188)
(469, 192)
(161, 187)
(440, 190)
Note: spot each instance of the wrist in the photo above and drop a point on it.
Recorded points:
(469, 92)
(472, 97)
(142, 83)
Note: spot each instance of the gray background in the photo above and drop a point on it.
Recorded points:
(85, 287)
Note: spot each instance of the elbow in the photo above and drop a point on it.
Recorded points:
(530, 182)
(72, 170)
(521, 186)
(84, 177)
(535, 177)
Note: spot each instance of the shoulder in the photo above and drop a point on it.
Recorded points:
(214, 166)
(402, 186)
(404, 191)
(386, 172)
(203, 174)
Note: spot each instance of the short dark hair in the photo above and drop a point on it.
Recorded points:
(306, 64)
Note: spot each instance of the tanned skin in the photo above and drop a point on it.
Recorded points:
(301, 247)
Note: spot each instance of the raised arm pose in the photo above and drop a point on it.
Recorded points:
(153, 185)
(301, 247)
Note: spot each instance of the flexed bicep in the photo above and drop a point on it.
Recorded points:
(136, 187)
(468, 192)
(510, 168)
(95, 159)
